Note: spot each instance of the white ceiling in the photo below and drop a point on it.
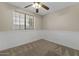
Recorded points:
(54, 6)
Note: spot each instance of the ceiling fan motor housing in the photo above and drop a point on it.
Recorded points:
(37, 10)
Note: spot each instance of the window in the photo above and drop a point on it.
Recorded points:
(22, 21)
(29, 22)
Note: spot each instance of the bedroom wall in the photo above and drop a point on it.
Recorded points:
(63, 20)
(12, 39)
(6, 17)
(66, 38)
(63, 26)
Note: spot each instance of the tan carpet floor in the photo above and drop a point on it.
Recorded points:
(40, 48)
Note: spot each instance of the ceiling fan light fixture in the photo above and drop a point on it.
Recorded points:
(36, 5)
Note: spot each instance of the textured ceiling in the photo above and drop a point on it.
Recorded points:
(54, 6)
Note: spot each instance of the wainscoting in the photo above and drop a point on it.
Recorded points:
(12, 39)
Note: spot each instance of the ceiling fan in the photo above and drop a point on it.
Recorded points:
(37, 5)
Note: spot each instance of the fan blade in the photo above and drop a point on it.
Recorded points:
(45, 7)
(28, 6)
(37, 10)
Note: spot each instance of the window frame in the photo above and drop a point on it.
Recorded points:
(33, 21)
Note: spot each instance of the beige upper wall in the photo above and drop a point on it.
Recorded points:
(63, 20)
(6, 17)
